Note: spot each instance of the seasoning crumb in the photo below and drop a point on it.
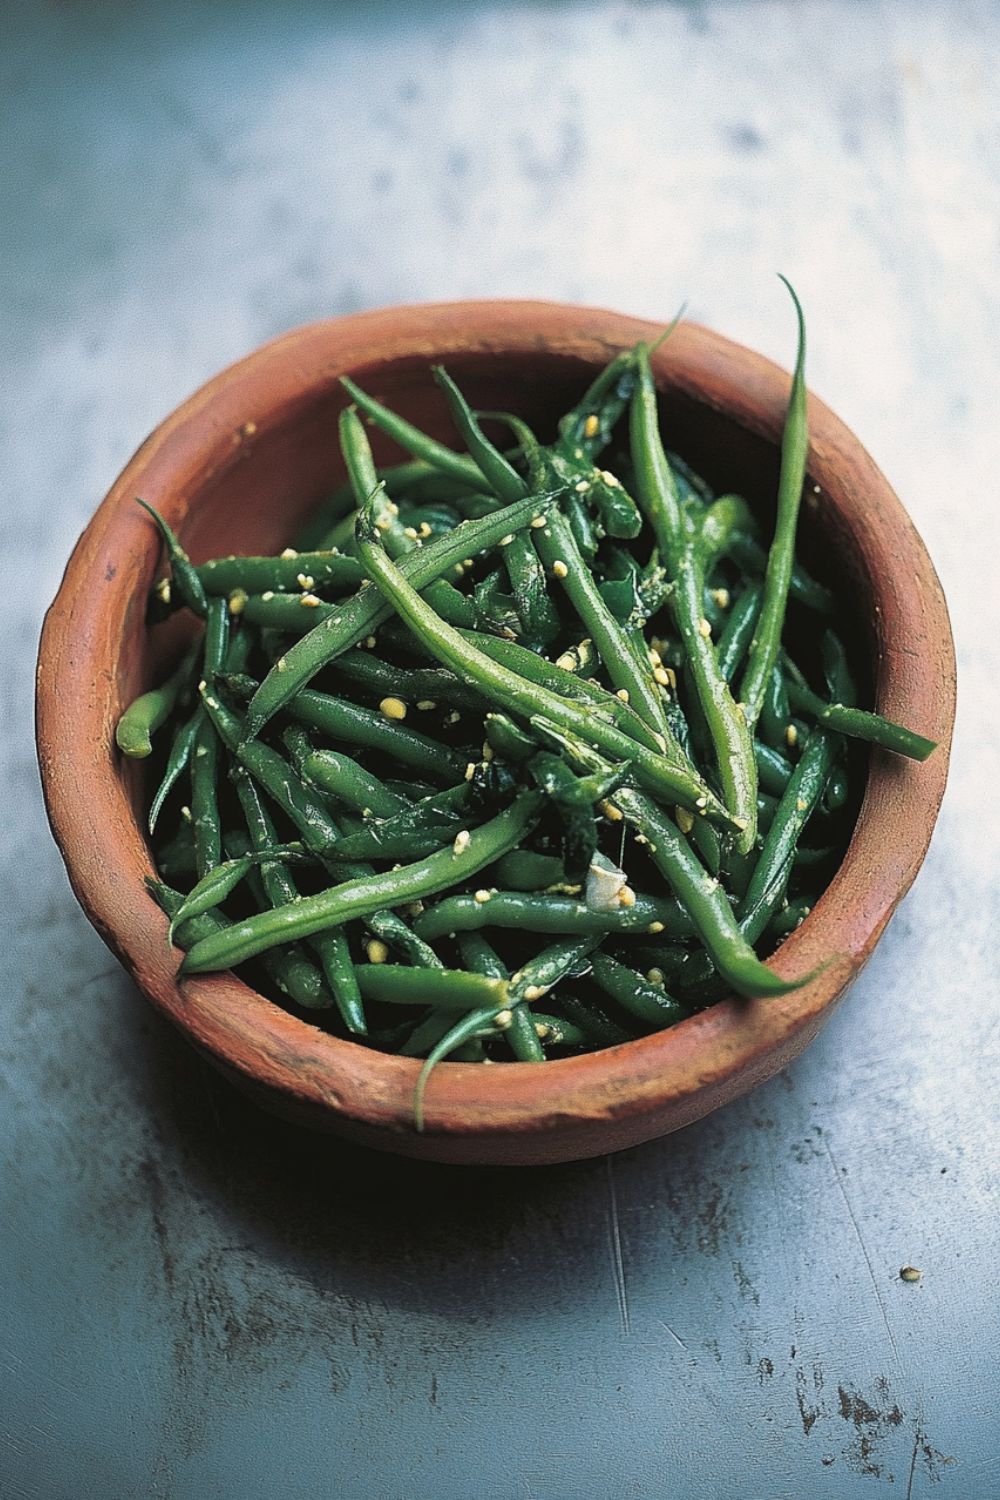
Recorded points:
(462, 841)
(704, 628)
(377, 951)
(289, 553)
(426, 705)
(685, 819)
(534, 992)
(470, 769)
(502, 1019)
(909, 1273)
(791, 735)
(481, 897)
(559, 568)
(591, 426)
(392, 708)
(655, 927)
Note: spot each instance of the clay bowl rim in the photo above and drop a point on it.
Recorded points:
(607, 1098)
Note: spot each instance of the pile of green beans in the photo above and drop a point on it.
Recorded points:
(545, 723)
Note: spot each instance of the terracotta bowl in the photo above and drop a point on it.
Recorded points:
(237, 468)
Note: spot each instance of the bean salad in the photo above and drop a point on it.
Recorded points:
(525, 749)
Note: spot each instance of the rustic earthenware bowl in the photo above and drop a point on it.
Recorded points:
(237, 468)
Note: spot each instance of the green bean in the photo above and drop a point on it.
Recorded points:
(773, 768)
(456, 465)
(444, 989)
(205, 800)
(766, 642)
(356, 618)
(508, 739)
(331, 947)
(720, 525)
(424, 826)
(733, 641)
(348, 722)
(587, 428)
(858, 724)
(473, 1025)
(413, 685)
(364, 480)
(808, 859)
(170, 901)
(570, 956)
(703, 899)
(791, 916)
(749, 555)
(539, 619)
(346, 781)
(837, 791)
(706, 840)
(185, 578)
(515, 693)
(426, 1034)
(178, 760)
(289, 573)
(556, 679)
(798, 802)
(521, 1036)
(383, 923)
(220, 882)
(150, 711)
(558, 550)
(547, 913)
(775, 713)
(590, 1018)
(290, 967)
(557, 1032)
(726, 723)
(647, 1002)
(299, 614)
(362, 895)
(175, 859)
(275, 775)
(522, 870)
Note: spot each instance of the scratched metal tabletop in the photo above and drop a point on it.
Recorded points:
(202, 1303)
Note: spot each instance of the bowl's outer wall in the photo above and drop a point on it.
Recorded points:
(236, 468)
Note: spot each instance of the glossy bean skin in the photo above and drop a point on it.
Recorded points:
(703, 899)
(765, 643)
(517, 694)
(150, 711)
(727, 724)
(344, 626)
(545, 913)
(358, 897)
(280, 889)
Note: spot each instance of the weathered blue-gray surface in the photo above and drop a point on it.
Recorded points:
(203, 1304)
